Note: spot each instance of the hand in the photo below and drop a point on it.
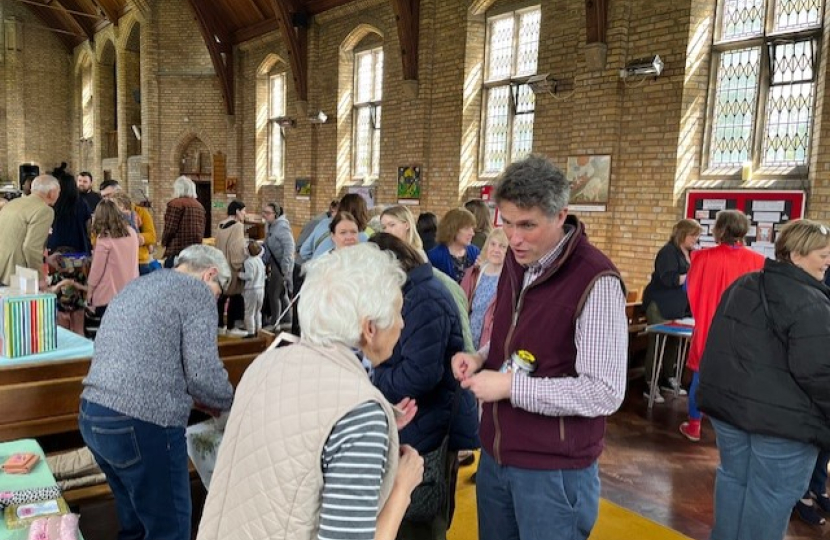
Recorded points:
(410, 469)
(464, 365)
(54, 260)
(489, 386)
(409, 408)
(205, 409)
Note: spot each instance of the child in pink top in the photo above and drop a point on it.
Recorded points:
(114, 258)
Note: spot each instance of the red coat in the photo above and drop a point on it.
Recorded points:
(712, 271)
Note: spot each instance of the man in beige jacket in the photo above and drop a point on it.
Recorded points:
(25, 223)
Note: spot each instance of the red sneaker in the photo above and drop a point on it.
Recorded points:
(690, 431)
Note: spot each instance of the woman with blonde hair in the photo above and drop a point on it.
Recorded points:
(398, 221)
(665, 299)
(764, 384)
(480, 283)
(114, 258)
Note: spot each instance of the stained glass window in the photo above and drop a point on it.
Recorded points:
(509, 104)
(368, 90)
(764, 97)
(276, 109)
(87, 109)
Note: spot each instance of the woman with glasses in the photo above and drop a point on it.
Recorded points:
(765, 383)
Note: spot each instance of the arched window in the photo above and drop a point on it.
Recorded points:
(276, 141)
(764, 76)
(87, 106)
(509, 105)
(366, 112)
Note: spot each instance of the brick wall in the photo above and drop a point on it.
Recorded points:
(653, 129)
(35, 94)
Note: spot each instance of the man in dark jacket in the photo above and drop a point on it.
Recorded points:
(554, 369)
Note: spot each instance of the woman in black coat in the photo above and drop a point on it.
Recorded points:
(665, 297)
(765, 384)
(420, 368)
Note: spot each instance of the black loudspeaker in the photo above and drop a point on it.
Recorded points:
(28, 171)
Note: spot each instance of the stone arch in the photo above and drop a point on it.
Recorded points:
(479, 7)
(129, 25)
(185, 138)
(268, 63)
(356, 36)
(106, 52)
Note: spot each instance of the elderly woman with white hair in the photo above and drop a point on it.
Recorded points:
(184, 220)
(311, 446)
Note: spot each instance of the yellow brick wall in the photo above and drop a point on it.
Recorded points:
(653, 129)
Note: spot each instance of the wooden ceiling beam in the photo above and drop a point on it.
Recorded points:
(255, 30)
(315, 7)
(296, 41)
(110, 13)
(407, 16)
(221, 52)
(596, 21)
(56, 24)
(80, 19)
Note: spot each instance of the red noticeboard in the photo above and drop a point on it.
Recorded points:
(768, 211)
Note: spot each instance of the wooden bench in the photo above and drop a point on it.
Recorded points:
(43, 399)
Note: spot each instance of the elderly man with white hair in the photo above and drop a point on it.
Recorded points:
(25, 223)
(155, 358)
(311, 446)
(184, 220)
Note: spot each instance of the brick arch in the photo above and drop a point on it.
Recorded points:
(84, 58)
(106, 53)
(127, 26)
(357, 34)
(183, 141)
(479, 7)
(268, 63)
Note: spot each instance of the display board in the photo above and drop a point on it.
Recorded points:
(768, 211)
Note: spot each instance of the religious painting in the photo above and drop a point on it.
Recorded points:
(409, 184)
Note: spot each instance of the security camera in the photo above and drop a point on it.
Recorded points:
(650, 65)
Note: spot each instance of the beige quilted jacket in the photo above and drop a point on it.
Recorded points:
(268, 479)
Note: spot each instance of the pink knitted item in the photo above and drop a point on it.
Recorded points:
(37, 530)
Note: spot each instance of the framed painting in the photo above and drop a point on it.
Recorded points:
(590, 178)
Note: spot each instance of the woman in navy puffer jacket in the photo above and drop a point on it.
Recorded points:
(420, 364)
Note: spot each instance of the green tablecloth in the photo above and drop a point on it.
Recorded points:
(40, 476)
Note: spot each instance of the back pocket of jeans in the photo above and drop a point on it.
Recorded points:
(118, 446)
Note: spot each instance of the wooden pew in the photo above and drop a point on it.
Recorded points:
(42, 400)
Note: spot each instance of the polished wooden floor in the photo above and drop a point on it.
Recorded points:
(647, 467)
(650, 468)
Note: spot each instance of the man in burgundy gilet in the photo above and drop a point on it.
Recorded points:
(554, 369)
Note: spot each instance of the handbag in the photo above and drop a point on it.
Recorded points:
(429, 499)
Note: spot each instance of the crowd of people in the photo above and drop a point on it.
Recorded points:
(420, 341)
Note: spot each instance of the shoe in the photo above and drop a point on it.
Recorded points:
(674, 385)
(658, 397)
(236, 332)
(222, 331)
(690, 432)
(808, 514)
(823, 501)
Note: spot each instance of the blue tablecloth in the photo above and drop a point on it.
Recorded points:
(70, 346)
(677, 330)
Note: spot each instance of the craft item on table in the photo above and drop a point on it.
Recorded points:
(20, 463)
(28, 324)
(55, 528)
(29, 495)
(22, 515)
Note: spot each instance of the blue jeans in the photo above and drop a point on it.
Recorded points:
(530, 504)
(146, 468)
(818, 482)
(694, 412)
(757, 483)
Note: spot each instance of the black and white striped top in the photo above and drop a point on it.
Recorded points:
(354, 461)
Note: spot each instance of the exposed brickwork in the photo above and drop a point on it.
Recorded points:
(653, 129)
